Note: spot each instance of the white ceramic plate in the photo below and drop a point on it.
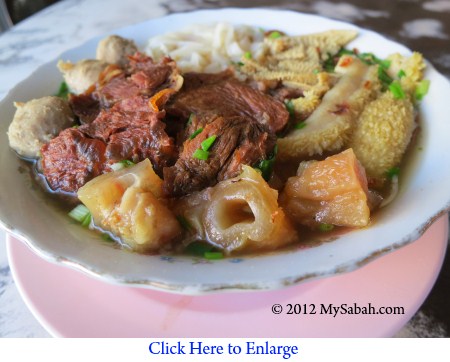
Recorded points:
(27, 213)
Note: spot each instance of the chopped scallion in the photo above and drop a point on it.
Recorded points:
(191, 118)
(79, 213)
(397, 90)
(266, 166)
(206, 144)
(394, 171)
(274, 35)
(122, 164)
(385, 79)
(422, 89)
(196, 133)
(300, 125)
(401, 73)
(326, 227)
(63, 91)
(184, 223)
(213, 255)
(248, 55)
(106, 237)
(201, 154)
(316, 71)
(290, 107)
(198, 248)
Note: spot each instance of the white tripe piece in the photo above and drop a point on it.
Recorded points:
(207, 47)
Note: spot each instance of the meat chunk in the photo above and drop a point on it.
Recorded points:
(140, 77)
(238, 141)
(72, 159)
(222, 94)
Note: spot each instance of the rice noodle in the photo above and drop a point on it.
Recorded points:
(207, 48)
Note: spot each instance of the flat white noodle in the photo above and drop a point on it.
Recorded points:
(207, 48)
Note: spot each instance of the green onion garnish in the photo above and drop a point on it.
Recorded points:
(300, 125)
(191, 118)
(385, 79)
(106, 237)
(316, 71)
(401, 73)
(394, 171)
(274, 35)
(201, 154)
(213, 255)
(63, 91)
(79, 213)
(206, 144)
(266, 166)
(198, 248)
(330, 63)
(87, 220)
(248, 55)
(196, 133)
(184, 223)
(290, 107)
(397, 90)
(422, 89)
(122, 164)
(326, 227)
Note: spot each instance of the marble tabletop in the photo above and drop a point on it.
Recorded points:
(420, 25)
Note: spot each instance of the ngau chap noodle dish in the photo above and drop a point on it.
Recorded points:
(224, 139)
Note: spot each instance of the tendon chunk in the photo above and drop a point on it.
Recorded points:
(333, 191)
(382, 134)
(127, 203)
(330, 125)
(238, 214)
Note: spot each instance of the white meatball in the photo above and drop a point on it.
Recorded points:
(81, 75)
(115, 49)
(36, 122)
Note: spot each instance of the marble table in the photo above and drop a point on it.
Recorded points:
(421, 25)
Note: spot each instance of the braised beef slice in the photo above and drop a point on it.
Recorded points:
(222, 94)
(239, 141)
(72, 159)
(141, 77)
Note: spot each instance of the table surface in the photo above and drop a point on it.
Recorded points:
(420, 25)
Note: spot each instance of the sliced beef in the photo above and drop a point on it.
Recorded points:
(222, 94)
(239, 141)
(72, 159)
(140, 77)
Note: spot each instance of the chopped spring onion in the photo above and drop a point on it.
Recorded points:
(87, 220)
(300, 125)
(63, 91)
(394, 171)
(401, 73)
(206, 144)
(316, 71)
(290, 107)
(248, 55)
(397, 90)
(275, 35)
(326, 227)
(122, 164)
(198, 248)
(201, 154)
(79, 213)
(184, 222)
(385, 79)
(196, 133)
(330, 63)
(191, 118)
(266, 166)
(106, 237)
(422, 89)
(213, 255)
